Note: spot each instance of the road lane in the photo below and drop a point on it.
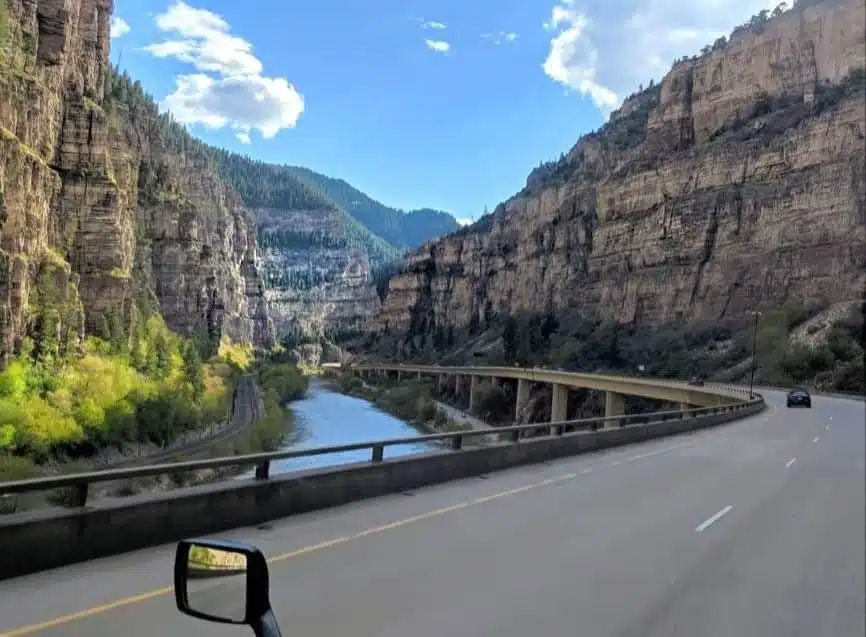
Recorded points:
(610, 552)
(220, 597)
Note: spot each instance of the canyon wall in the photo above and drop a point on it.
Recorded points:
(104, 206)
(737, 183)
(318, 285)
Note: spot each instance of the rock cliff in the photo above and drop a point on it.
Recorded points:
(737, 183)
(320, 261)
(318, 285)
(104, 205)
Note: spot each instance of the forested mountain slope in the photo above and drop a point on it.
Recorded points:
(405, 230)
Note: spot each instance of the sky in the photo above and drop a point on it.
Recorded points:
(444, 104)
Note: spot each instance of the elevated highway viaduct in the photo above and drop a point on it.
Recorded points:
(471, 379)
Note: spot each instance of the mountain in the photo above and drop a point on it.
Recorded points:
(736, 184)
(109, 209)
(404, 230)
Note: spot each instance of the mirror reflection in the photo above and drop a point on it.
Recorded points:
(216, 583)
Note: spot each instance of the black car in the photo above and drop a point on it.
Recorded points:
(799, 397)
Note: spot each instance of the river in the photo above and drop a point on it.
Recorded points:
(327, 418)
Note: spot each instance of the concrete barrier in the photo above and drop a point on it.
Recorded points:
(40, 540)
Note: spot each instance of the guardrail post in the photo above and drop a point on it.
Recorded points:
(263, 470)
(79, 499)
(378, 453)
(457, 443)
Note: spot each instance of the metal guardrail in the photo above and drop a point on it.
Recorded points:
(262, 461)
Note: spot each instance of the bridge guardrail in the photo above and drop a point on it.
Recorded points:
(262, 461)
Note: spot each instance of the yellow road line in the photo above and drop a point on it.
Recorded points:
(135, 599)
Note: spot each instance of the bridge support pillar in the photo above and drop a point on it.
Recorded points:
(474, 387)
(419, 376)
(614, 405)
(522, 398)
(685, 407)
(443, 378)
(459, 385)
(559, 404)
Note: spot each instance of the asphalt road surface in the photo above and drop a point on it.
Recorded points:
(754, 529)
(223, 597)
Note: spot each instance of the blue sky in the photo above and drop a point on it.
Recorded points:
(446, 104)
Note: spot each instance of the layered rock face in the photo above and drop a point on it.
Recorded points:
(98, 212)
(737, 183)
(317, 286)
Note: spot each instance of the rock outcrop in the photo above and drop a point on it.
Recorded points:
(737, 183)
(102, 207)
(318, 285)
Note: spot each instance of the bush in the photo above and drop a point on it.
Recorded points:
(285, 379)
(493, 404)
(152, 386)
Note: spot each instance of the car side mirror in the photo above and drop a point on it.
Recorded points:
(225, 582)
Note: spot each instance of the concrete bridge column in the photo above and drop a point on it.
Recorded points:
(459, 385)
(522, 397)
(559, 404)
(685, 407)
(419, 375)
(614, 405)
(474, 387)
(443, 378)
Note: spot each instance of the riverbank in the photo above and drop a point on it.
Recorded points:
(257, 420)
(412, 401)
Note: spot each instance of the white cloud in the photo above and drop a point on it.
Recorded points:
(465, 221)
(500, 37)
(440, 46)
(229, 88)
(605, 50)
(119, 27)
(432, 24)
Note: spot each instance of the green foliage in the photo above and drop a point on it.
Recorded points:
(4, 23)
(148, 386)
(284, 380)
(493, 405)
(404, 230)
(265, 185)
(580, 343)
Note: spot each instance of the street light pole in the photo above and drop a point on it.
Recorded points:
(757, 315)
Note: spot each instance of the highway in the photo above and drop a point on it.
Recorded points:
(750, 529)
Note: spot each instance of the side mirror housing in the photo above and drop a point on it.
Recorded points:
(225, 582)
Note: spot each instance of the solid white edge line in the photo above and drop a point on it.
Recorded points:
(790, 462)
(706, 523)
